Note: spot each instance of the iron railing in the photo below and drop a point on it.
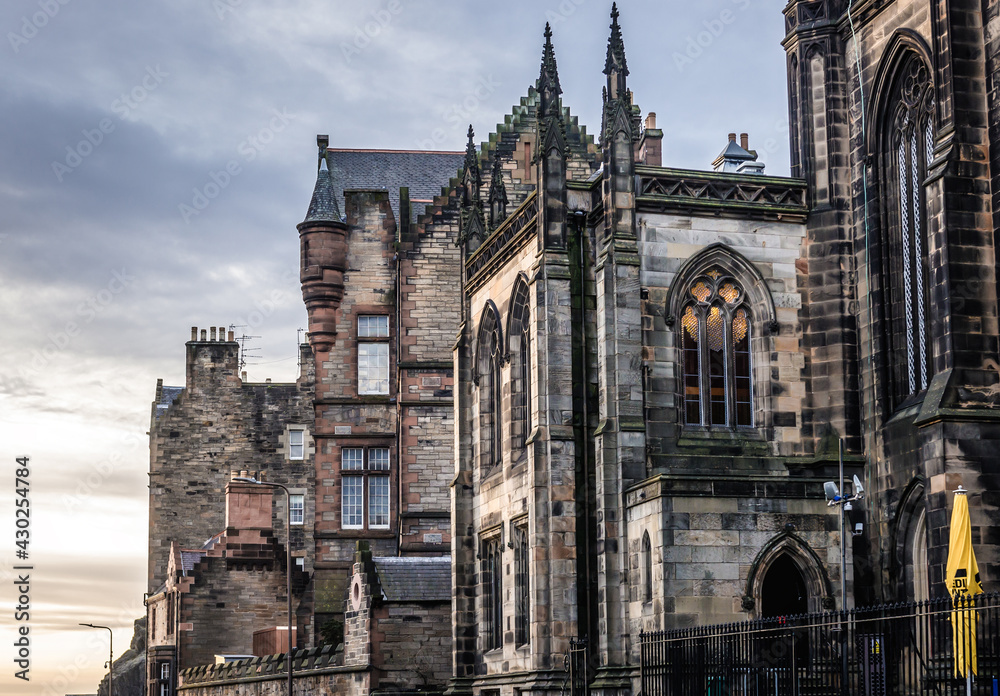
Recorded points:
(885, 650)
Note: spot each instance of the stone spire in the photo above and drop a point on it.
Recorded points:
(473, 230)
(497, 197)
(615, 61)
(471, 176)
(323, 206)
(618, 112)
(551, 128)
(549, 75)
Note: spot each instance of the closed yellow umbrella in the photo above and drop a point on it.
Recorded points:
(963, 585)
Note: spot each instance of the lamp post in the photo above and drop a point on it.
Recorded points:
(111, 657)
(835, 497)
(288, 560)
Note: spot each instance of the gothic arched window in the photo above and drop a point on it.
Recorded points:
(488, 362)
(715, 348)
(908, 145)
(519, 336)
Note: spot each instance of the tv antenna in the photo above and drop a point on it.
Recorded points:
(242, 339)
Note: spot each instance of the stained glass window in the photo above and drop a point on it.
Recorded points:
(717, 379)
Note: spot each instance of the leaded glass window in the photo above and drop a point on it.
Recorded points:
(489, 360)
(492, 571)
(909, 151)
(716, 360)
(519, 334)
(521, 583)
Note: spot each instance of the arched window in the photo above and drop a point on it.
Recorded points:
(647, 568)
(519, 336)
(907, 149)
(488, 362)
(716, 330)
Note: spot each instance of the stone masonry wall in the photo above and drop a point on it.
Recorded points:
(216, 425)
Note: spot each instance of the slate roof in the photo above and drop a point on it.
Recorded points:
(189, 559)
(167, 396)
(425, 173)
(414, 579)
(733, 151)
(323, 206)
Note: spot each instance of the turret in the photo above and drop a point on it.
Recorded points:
(323, 246)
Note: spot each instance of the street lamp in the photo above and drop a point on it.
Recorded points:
(288, 560)
(835, 496)
(111, 657)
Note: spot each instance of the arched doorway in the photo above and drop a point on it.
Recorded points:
(783, 592)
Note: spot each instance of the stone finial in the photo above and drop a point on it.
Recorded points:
(615, 61)
(549, 75)
(471, 173)
(497, 197)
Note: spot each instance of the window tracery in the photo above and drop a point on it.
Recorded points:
(717, 378)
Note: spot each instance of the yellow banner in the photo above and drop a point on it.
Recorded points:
(963, 584)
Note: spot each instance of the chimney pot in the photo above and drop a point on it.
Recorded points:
(231, 336)
(194, 333)
(204, 335)
(213, 333)
(262, 476)
(745, 141)
(651, 120)
(267, 381)
(732, 137)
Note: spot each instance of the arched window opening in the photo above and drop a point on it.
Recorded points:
(908, 144)
(716, 356)
(519, 334)
(488, 364)
(647, 568)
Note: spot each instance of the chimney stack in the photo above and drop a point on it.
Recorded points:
(745, 141)
(650, 145)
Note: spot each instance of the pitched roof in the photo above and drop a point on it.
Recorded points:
(323, 206)
(422, 171)
(414, 579)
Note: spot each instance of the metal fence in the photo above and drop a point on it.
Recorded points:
(885, 650)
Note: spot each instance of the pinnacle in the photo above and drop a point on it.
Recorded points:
(616, 46)
(549, 73)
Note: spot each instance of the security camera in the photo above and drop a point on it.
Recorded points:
(832, 492)
(859, 490)
(859, 529)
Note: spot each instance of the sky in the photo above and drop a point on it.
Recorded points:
(154, 161)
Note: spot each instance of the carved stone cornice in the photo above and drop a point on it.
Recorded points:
(503, 241)
(660, 189)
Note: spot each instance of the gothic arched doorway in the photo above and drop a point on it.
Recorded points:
(783, 592)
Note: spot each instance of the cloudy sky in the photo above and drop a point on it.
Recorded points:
(154, 160)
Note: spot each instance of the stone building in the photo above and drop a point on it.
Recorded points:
(363, 439)
(656, 367)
